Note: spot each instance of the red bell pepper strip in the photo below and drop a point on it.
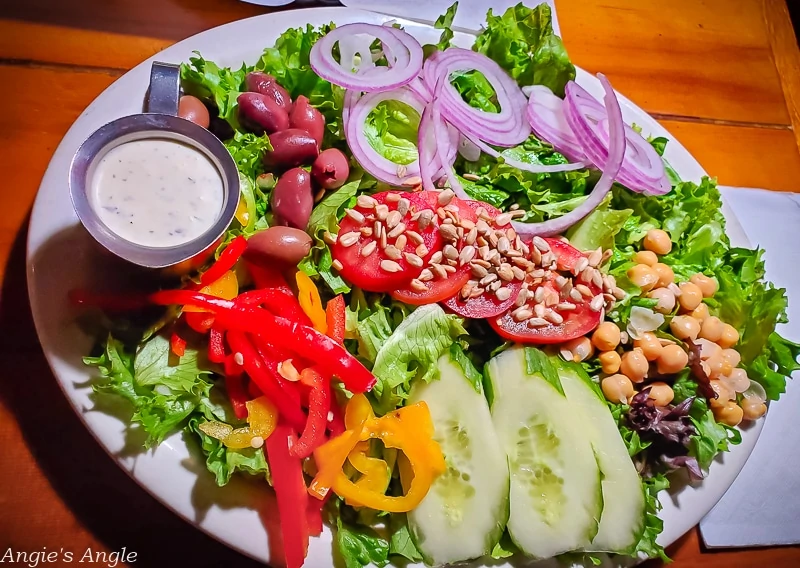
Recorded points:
(216, 345)
(276, 301)
(336, 424)
(177, 344)
(265, 277)
(329, 357)
(290, 490)
(110, 302)
(335, 314)
(272, 359)
(226, 261)
(253, 390)
(319, 403)
(201, 322)
(288, 408)
(234, 384)
(314, 515)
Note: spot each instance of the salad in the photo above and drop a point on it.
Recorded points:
(464, 310)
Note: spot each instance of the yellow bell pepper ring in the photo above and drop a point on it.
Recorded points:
(308, 296)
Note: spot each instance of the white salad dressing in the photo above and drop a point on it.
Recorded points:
(157, 192)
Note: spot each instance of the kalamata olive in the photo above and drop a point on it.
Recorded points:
(291, 147)
(330, 169)
(192, 109)
(282, 244)
(306, 117)
(259, 113)
(292, 198)
(258, 82)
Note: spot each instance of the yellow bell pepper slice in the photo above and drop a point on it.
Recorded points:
(308, 296)
(226, 287)
(262, 418)
(375, 472)
(242, 212)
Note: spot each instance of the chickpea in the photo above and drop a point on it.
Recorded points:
(660, 393)
(606, 337)
(666, 300)
(645, 257)
(684, 326)
(708, 286)
(617, 388)
(643, 276)
(738, 380)
(657, 241)
(753, 409)
(610, 362)
(730, 414)
(714, 364)
(690, 297)
(665, 274)
(634, 365)
(711, 328)
(729, 337)
(673, 360)
(724, 394)
(650, 345)
(577, 350)
(730, 360)
(700, 312)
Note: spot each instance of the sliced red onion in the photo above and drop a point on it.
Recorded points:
(403, 52)
(545, 114)
(505, 128)
(532, 168)
(468, 149)
(643, 169)
(373, 163)
(616, 155)
(426, 144)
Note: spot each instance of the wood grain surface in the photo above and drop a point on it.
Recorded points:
(722, 75)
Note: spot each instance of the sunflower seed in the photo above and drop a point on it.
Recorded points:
(511, 234)
(597, 279)
(553, 317)
(395, 197)
(481, 262)
(238, 358)
(366, 202)
(522, 247)
(609, 298)
(471, 177)
(415, 237)
(482, 226)
(560, 282)
(481, 242)
(392, 252)
(606, 255)
(418, 286)
(587, 275)
(522, 297)
(366, 231)
(471, 236)
(412, 181)
(519, 274)
(538, 296)
(441, 213)
(381, 211)
(437, 257)
(550, 298)
(426, 275)
(392, 219)
(597, 303)
(383, 239)
(369, 248)
(537, 322)
(403, 205)
(503, 245)
(377, 229)
(439, 271)
(421, 251)
(503, 294)
(619, 293)
(337, 264)
(584, 290)
(495, 258)
(505, 273)
(288, 371)
(355, 216)
(567, 289)
(467, 224)
(575, 295)
(401, 170)
(450, 269)
(539, 310)
(448, 232)
(397, 231)
(596, 257)
(467, 254)
(477, 291)
(425, 219)
(541, 244)
(413, 259)
(481, 213)
(488, 279)
(349, 239)
(548, 260)
(523, 263)
(466, 290)
(580, 266)
(503, 219)
(536, 256)
(390, 266)
(449, 221)
(517, 214)
(401, 242)
(478, 271)
(493, 239)
(450, 252)
(566, 306)
(521, 314)
(329, 238)
(452, 208)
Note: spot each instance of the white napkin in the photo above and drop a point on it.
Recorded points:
(762, 507)
(471, 14)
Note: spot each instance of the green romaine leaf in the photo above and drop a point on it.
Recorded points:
(599, 228)
(711, 437)
(472, 374)
(154, 364)
(505, 548)
(522, 42)
(360, 546)
(401, 543)
(391, 130)
(476, 90)
(445, 22)
(647, 545)
(220, 85)
(412, 351)
(248, 152)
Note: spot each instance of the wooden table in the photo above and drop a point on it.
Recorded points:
(722, 75)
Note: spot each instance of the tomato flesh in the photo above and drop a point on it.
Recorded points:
(366, 272)
(485, 305)
(439, 289)
(577, 322)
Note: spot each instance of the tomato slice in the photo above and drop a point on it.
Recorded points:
(438, 289)
(485, 305)
(366, 271)
(576, 322)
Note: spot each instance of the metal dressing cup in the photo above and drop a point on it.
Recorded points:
(160, 122)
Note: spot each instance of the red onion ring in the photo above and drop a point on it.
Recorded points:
(505, 128)
(545, 114)
(616, 155)
(401, 49)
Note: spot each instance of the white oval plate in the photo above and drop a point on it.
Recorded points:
(61, 256)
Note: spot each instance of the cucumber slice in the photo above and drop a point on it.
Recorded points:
(555, 496)
(465, 512)
(622, 521)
